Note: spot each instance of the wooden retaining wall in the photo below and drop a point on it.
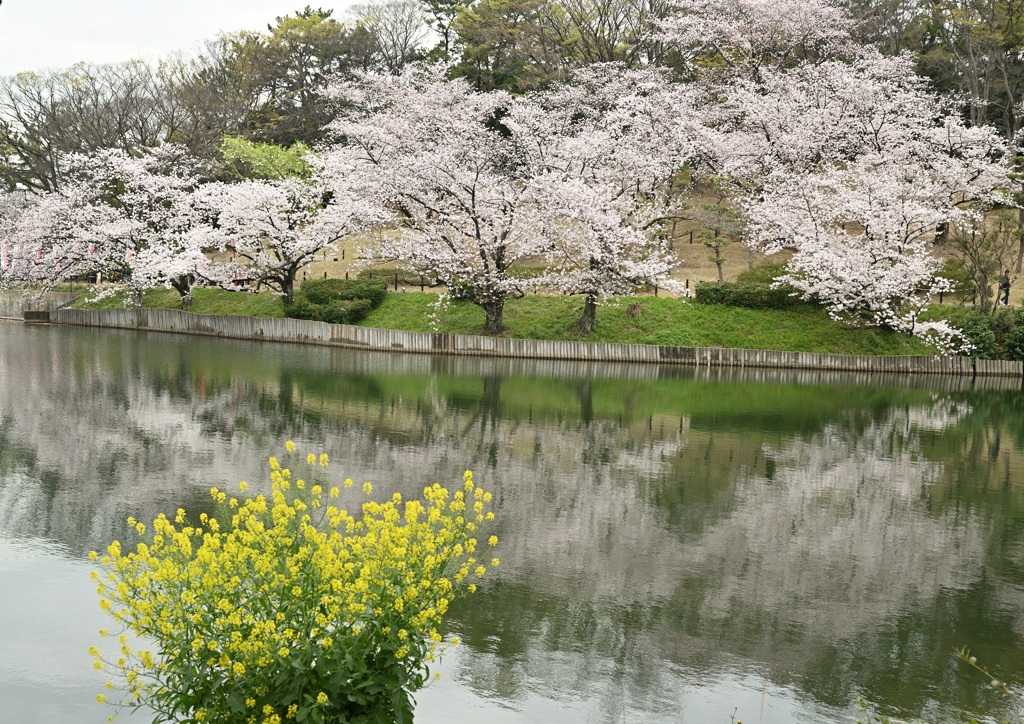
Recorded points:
(343, 335)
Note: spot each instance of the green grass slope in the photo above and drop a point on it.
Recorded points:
(661, 320)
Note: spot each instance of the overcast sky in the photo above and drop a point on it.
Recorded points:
(36, 34)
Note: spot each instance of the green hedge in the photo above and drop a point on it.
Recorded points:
(762, 273)
(1014, 341)
(324, 291)
(751, 296)
(337, 311)
(995, 335)
(337, 301)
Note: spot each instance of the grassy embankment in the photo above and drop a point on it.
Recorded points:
(661, 321)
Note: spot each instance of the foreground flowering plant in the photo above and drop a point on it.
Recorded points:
(291, 609)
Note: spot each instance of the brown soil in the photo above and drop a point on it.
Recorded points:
(695, 261)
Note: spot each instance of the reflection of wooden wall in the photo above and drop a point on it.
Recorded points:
(297, 330)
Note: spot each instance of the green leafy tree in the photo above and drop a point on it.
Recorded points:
(298, 57)
(503, 45)
(985, 247)
(441, 16)
(243, 159)
(720, 223)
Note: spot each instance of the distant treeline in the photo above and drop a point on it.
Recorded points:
(266, 86)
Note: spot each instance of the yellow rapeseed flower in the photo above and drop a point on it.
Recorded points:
(380, 581)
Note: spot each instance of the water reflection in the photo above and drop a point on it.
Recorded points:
(677, 544)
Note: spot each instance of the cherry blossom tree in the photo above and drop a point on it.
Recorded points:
(606, 147)
(601, 243)
(116, 216)
(836, 152)
(863, 239)
(739, 38)
(579, 178)
(439, 157)
(862, 221)
(45, 245)
(790, 121)
(273, 228)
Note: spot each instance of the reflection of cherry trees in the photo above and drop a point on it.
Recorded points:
(632, 544)
(844, 520)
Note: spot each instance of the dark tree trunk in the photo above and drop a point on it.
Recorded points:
(586, 394)
(495, 312)
(984, 293)
(490, 400)
(183, 285)
(588, 320)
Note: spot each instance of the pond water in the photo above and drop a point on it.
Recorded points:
(677, 545)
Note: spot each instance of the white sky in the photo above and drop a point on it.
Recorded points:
(37, 34)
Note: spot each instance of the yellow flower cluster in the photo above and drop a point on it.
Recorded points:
(294, 601)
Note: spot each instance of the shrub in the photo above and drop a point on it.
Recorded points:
(302, 309)
(324, 291)
(752, 296)
(337, 311)
(289, 608)
(337, 301)
(976, 326)
(345, 311)
(1014, 341)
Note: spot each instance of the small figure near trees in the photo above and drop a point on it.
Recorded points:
(1004, 288)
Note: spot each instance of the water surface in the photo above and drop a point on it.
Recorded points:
(678, 545)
